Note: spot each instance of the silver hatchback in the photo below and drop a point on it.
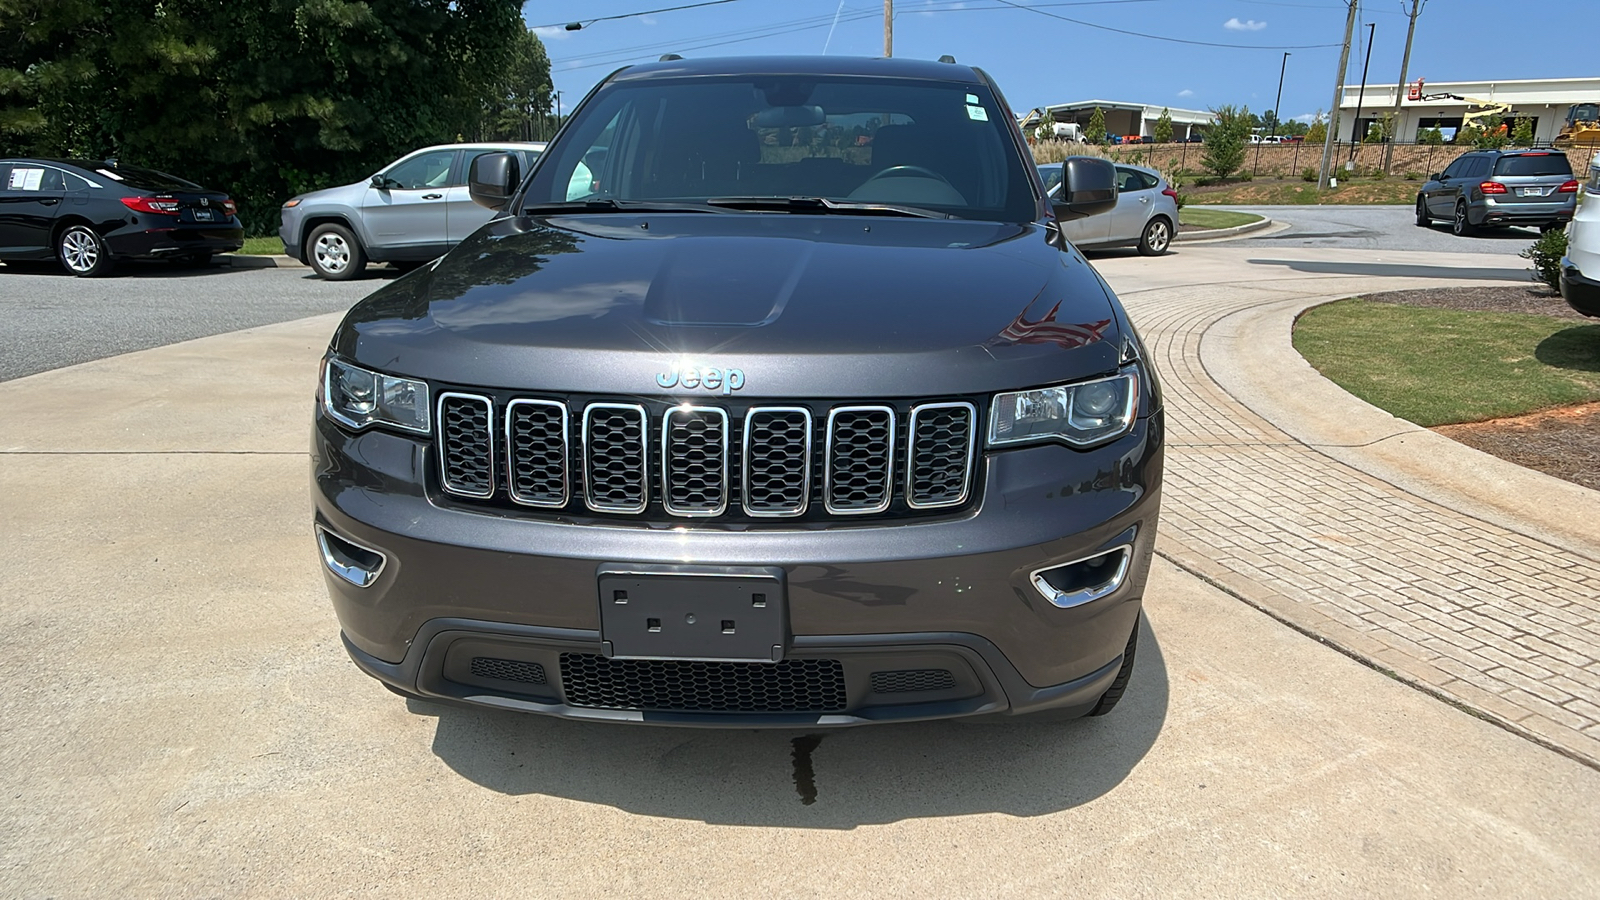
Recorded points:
(1146, 215)
(412, 211)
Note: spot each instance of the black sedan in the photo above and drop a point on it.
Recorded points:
(89, 214)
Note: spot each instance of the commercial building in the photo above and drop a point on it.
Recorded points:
(1444, 105)
(1124, 118)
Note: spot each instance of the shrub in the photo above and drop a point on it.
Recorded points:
(1546, 254)
(1224, 141)
(1163, 130)
(1309, 173)
(1413, 176)
(1097, 127)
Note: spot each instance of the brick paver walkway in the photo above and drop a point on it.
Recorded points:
(1504, 623)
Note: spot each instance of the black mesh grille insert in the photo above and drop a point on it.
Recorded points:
(911, 680)
(614, 457)
(941, 443)
(860, 459)
(694, 461)
(536, 437)
(777, 462)
(791, 686)
(466, 448)
(508, 670)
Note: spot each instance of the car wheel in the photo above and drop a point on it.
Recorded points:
(1157, 237)
(335, 254)
(1423, 219)
(1108, 700)
(83, 252)
(1461, 226)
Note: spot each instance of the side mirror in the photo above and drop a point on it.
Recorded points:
(492, 178)
(380, 181)
(1088, 187)
(1437, 176)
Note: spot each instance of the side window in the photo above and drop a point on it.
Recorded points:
(53, 180)
(1150, 181)
(1456, 167)
(1480, 167)
(585, 172)
(5, 176)
(1593, 185)
(75, 183)
(1129, 180)
(425, 170)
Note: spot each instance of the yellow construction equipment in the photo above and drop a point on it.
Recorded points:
(1583, 126)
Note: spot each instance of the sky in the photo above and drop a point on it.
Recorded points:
(1039, 59)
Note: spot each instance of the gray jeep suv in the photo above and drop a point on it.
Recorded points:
(1500, 187)
(804, 412)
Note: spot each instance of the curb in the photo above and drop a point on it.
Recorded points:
(1215, 234)
(242, 261)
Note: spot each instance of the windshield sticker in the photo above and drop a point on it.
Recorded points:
(972, 100)
(977, 114)
(111, 175)
(25, 179)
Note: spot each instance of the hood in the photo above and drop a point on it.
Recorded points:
(799, 305)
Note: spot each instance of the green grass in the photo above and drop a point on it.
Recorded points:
(1214, 218)
(1289, 192)
(262, 246)
(1443, 366)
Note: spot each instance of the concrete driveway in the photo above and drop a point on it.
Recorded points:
(181, 720)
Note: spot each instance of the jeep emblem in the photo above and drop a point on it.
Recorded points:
(726, 380)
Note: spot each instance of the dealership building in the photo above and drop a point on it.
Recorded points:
(1442, 104)
(1124, 118)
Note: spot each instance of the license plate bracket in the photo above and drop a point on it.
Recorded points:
(697, 613)
(1533, 191)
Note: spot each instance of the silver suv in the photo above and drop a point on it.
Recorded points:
(1487, 188)
(413, 211)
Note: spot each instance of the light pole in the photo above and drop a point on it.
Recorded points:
(1338, 95)
(1361, 95)
(1277, 112)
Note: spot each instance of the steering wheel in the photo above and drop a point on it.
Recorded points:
(902, 171)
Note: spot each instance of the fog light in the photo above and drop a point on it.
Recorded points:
(1085, 580)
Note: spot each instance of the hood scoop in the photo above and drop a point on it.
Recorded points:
(725, 282)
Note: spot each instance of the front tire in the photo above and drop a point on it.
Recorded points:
(1108, 700)
(83, 252)
(1423, 219)
(1461, 226)
(1156, 238)
(335, 254)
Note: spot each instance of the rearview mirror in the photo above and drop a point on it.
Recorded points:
(790, 117)
(1088, 187)
(492, 178)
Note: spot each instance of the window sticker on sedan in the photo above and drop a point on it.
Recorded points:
(25, 179)
(111, 175)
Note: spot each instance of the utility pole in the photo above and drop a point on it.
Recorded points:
(1338, 94)
(1405, 62)
(888, 28)
(1361, 96)
(1277, 105)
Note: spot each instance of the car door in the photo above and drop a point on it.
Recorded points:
(462, 216)
(1441, 194)
(407, 213)
(1134, 193)
(30, 198)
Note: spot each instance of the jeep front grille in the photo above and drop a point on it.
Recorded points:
(805, 462)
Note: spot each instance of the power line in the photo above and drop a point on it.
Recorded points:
(648, 12)
(1157, 37)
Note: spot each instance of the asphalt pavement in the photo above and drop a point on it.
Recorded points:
(1374, 228)
(49, 319)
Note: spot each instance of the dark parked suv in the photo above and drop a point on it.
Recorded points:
(793, 407)
(1487, 188)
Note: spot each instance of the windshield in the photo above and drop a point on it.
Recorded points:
(1534, 164)
(933, 145)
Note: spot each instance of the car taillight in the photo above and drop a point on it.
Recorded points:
(151, 205)
(229, 207)
(1492, 187)
(1170, 193)
(1568, 187)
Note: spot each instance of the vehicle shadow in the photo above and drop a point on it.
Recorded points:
(1394, 270)
(836, 779)
(1576, 348)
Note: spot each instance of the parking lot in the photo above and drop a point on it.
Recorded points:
(195, 728)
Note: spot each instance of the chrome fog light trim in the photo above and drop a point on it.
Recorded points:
(1076, 595)
(347, 565)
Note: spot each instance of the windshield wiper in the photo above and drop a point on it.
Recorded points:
(825, 205)
(606, 204)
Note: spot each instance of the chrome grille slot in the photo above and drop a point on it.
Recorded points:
(694, 461)
(939, 454)
(777, 461)
(615, 476)
(860, 460)
(536, 452)
(466, 444)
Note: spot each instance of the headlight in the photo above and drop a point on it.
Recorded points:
(1082, 414)
(356, 397)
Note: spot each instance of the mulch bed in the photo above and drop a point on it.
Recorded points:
(1563, 442)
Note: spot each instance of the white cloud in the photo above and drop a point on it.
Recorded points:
(1308, 118)
(1186, 93)
(647, 20)
(1234, 24)
(556, 33)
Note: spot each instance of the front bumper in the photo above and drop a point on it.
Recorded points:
(1581, 292)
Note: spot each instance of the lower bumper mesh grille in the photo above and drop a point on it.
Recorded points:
(909, 681)
(791, 686)
(507, 670)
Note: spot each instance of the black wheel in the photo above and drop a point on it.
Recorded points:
(1108, 700)
(83, 252)
(1423, 219)
(335, 254)
(1156, 237)
(1461, 226)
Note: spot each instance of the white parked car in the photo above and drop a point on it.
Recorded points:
(1580, 268)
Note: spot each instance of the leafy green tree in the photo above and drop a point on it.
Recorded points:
(1224, 143)
(1317, 131)
(1430, 136)
(1162, 132)
(1522, 135)
(1269, 122)
(517, 108)
(1490, 135)
(1097, 127)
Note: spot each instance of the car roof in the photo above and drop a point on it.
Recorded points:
(487, 145)
(870, 66)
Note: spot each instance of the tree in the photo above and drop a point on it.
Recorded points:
(1269, 121)
(1224, 142)
(1317, 131)
(1163, 128)
(520, 100)
(1430, 136)
(1097, 127)
(1490, 135)
(1522, 135)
